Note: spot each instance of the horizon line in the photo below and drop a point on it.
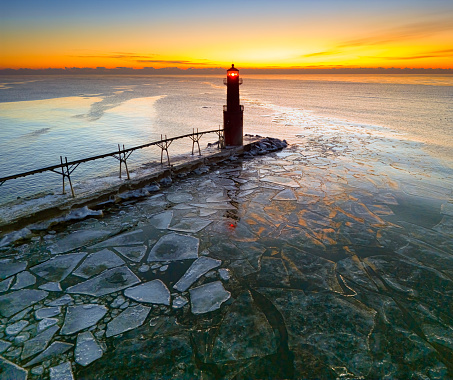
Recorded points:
(221, 70)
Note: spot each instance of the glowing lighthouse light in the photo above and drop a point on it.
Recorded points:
(233, 111)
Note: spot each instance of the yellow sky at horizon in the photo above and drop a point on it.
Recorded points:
(206, 37)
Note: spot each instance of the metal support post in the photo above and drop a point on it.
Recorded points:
(163, 145)
(122, 158)
(196, 139)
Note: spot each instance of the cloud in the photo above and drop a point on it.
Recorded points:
(405, 32)
(321, 53)
(125, 56)
(430, 54)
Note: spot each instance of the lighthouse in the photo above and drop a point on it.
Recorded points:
(233, 112)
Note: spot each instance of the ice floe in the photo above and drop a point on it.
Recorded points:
(198, 268)
(81, 317)
(16, 328)
(23, 279)
(127, 238)
(129, 319)
(87, 349)
(55, 349)
(77, 239)
(162, 221)
(208, 297)
(51, 287)
(64, 300)
(62, 371)
(14, 302)
(97, 262)
(107, 282)
(9, 268)
(150, 292)
(135, 253)
(39, 342)
(11, 371)
(59, 267)
(174, 247)
(191, 225)
(46, 323)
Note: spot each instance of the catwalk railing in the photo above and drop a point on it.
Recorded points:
(65, 168)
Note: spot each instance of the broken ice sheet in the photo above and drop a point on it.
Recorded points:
(81, 317)
(285, 181)
(77, 239)
(9, 370)
(98, 262)
(150, 292)
(174, 247)
(190, 225)
(16, 328)
(285, 195)
(87, 349)
(39, 342)
(198, 268)
(62, 371)
(107, 282)
(51, 287)
(5, 284)
(135, 253)
(208, 297)
(55, 349)
(8, 268)
(161, 221)
(128, 238)
(14, 302)
(179, 197)
(59, 267)
(129, 319)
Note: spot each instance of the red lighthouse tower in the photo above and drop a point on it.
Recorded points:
(233, 112)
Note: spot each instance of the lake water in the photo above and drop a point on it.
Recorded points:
(45, 117)
(332, 258)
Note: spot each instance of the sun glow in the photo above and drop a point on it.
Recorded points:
(293, 35)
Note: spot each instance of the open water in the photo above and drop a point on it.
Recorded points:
(45, 117)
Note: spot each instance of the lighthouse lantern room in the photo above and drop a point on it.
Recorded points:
(233, 111)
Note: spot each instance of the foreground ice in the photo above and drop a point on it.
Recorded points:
(87, 349)
(76, 240)
(9, 268)
(191, 225)
(11, 371)
(59, 267)
(61, 372)
(208, 297)
(150, 292)
(162, 221)
(23, 280)
(107, 282)
(174, 247)
(128, 238)
(81, 317)
(129, 319)
(135, 253)
(39, 342)
(14, 302)
(198, 268)
(55, 349)
(98, 262)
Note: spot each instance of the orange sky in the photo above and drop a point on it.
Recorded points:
(259, 34)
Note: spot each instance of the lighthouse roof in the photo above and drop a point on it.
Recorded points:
(232, 68)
